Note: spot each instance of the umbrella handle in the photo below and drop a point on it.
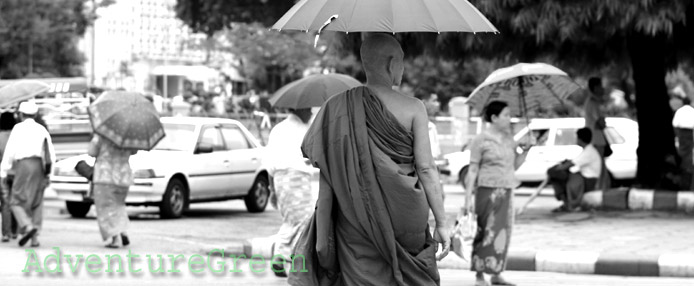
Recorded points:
(330, 20)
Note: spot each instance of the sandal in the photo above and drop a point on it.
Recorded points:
(35, 244)
(27, 236)
(125, 239)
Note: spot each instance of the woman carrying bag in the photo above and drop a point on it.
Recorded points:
(111, 180)
(493, 161)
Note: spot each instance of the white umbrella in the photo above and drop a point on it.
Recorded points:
(20, 91)
(393, 16)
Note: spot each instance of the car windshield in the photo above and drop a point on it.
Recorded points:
(178, 137)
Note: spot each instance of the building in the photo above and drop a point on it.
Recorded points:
(140, 45)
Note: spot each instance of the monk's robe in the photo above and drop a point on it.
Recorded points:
(370, 226)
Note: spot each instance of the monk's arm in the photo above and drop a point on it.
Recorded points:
(426, 167)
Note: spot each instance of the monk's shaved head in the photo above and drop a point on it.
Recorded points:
(382, 56)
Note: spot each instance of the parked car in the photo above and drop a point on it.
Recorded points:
(556, 141)
(199, 160)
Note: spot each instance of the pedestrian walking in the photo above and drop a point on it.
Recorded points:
(683, 122)
(594, 113)
(9, 223)
(291, 180)
(111, 180)
(378, 182)
(491, 174)
(30, 153)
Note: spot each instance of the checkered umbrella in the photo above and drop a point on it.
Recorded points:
(524, 87)
(127, 119)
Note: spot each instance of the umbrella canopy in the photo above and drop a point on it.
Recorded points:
(393, 16)
(312, 91)
(22, 90)
(524, 86)
(127, 119)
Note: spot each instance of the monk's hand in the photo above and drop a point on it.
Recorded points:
(443, 236)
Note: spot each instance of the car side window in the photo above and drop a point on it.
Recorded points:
(234, 138)
(540, 135)
(613, 136)
(565, 137)
(210, 136)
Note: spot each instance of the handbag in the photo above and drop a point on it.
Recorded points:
(463, 234)
(84, 169)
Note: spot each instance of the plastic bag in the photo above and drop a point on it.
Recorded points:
(463, 234)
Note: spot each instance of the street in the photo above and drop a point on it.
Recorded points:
(212, 226)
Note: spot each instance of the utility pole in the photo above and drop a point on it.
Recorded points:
(93, 32)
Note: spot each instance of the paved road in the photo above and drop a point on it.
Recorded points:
(216, 225)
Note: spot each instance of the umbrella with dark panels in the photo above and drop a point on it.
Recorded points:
(312, 91)
(127, 119)
(20, 91)
(524, 87)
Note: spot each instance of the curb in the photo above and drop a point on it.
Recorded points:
(572, 262)
(640, 199)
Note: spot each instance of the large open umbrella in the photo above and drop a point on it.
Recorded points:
(20, 91)
(393, 16)
(127, 119)
(524, 87)
(312, 91)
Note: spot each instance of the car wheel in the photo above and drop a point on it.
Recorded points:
(257, 198)
(462, 175)
(174, 200)
(78, 209)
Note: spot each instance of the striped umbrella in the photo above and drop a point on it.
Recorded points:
(127, 119)
(524, 87)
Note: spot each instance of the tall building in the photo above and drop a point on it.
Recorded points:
(140, 45)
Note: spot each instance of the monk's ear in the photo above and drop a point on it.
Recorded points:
(390, 67)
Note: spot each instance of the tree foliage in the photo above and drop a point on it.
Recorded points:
(39, 38)
(268, 58)
(211, 16)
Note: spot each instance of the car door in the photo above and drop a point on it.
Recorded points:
(208, 170)
(242, 162)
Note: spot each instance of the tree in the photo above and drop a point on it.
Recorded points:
(269, 59)
(211, 16)
(39, 38)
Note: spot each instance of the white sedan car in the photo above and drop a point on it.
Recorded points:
(556, 141)
(199, 160)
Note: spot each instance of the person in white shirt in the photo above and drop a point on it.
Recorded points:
(294, 195)
(583, 173)
(30, 153)
(683, 123)
(431, 102)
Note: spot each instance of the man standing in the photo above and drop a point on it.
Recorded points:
(30, 153)
(584, 171)
(683, 122)
(378, 182)
(595, 121)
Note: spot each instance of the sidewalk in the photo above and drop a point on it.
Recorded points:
(626, 243)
